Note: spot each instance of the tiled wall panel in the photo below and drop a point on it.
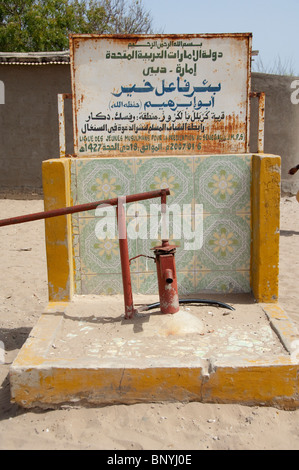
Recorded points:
(222, 184)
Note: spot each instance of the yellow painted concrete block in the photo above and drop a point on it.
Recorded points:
(59, 385)
(267, 384)
(283, 326)
(51, 386)
(50, 372)
(56, 186)
(265, 227)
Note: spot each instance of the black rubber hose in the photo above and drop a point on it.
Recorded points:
(194, 301)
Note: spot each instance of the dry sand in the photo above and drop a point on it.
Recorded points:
(168, 427)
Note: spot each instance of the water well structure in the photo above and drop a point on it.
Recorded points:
(164, 111)
(152, 112)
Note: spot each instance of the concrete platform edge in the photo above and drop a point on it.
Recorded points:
(36, 382)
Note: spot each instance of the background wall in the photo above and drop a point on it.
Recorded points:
(281, 124)
(29, 123)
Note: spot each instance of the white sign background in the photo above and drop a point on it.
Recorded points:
(151, 95)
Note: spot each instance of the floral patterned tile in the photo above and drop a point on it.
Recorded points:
(188, 283)
(78, 287)
(222, 282)
(226, 244)
(148, 283)
(175, 173)
(101, 179)
(105, 284)
(184, 257)
(220, 183)
(99, 255)
(223, 184)
(73, 184)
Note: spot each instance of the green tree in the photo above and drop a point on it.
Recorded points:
(44, 25)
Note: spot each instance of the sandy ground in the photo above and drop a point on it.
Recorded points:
(175, 426)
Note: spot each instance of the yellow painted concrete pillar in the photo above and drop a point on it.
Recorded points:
(56, 186)
(265, 227)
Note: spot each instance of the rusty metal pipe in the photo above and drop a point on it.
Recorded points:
(122, 231)
(82, 207)
(168, 275)
(124, 259)
(167, 278)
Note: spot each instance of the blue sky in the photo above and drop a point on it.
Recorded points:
(274, 23)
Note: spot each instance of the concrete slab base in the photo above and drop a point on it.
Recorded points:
(84, 352)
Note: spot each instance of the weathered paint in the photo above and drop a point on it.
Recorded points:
(36, 381)
(61, 122)
(167, 278)
(268, 385)
(124, 259)
(80, 208)
(272, 385)
(265, 227)
(161, 94)
(283, 327)
(40, 378)
(261, 119)
(56, 187)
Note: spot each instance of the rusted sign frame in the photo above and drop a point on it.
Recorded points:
(242, 36)
(61, 122)
(261, 119)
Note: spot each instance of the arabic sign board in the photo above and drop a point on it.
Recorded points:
(160, 95)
